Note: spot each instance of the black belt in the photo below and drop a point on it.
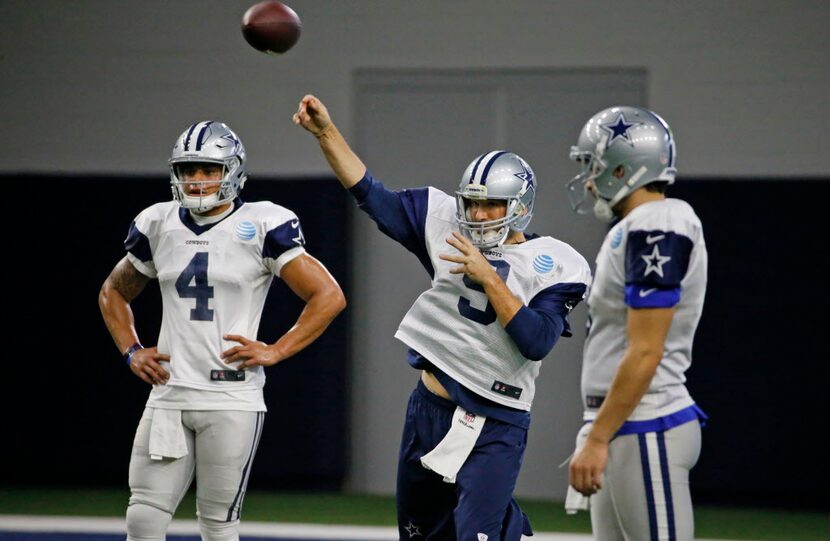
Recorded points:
(593, 401)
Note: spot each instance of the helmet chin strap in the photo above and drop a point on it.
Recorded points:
(200, 204)
(604, 210)
(489, 238)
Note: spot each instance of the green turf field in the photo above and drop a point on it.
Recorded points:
(724, 523)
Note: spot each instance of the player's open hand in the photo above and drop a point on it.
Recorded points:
(250, 353)
(470, 260)
(587, 466)
(312, 115)
(145, 364)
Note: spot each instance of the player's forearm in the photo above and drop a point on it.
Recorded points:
(118, 316)
(319, 312)
(503, 301)
(631, 382)
(343, 161)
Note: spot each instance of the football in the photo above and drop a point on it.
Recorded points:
(271, 27)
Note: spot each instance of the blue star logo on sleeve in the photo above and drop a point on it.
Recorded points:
(619, 129)
(655, 262)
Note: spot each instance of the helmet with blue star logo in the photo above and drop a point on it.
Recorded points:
(208, 142)
(620, 150)
(502, 176)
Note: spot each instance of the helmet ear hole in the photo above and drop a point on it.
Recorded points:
(619, 171)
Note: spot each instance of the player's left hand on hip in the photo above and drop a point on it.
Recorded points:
(470, 260)
(587, 466)
(249, 353)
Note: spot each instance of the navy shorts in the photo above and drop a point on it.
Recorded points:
(480, 505)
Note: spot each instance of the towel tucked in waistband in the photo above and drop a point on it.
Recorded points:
(167, 435)
(452, 451)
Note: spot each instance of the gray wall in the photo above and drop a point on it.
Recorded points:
(102, 86)
(98, 85)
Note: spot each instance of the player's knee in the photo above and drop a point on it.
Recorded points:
(146, 523)
(216, 530)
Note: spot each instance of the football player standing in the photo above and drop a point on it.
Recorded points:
(499, 301)
(215, 257)
(642, 432)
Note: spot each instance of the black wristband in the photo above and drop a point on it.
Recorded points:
(128, 355)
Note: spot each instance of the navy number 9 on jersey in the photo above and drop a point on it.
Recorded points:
(196, 271)
(488, 315)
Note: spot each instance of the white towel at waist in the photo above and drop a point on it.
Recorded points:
(167, 435)
(574, 501)
(452, 451)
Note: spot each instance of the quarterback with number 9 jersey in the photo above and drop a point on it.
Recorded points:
(498, 302)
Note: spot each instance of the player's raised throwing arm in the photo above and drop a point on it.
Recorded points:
(314, 117)
(399, 214)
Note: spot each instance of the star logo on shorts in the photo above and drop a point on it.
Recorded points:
(655, 262)
(412, 530)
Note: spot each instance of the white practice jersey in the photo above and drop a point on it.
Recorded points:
(655, 257)
(453, 325)
(213, 280)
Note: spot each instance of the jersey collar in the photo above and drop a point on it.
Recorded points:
(190, 223)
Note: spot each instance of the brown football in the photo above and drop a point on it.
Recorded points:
(271, 27)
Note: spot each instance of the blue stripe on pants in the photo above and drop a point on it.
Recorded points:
(664, 467)
(652, 512)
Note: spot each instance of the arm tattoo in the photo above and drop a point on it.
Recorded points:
(125, 279)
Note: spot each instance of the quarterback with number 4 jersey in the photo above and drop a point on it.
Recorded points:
(642, 431)
(498, 302)
(214, 257)
(213, 278)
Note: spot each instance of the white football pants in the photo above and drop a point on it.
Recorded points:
(645, 490)
(221, 447)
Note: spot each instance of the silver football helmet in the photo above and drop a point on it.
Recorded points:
(620, 149)
(208, 142)
(497, 175)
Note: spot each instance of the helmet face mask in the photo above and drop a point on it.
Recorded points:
(579, 193)
(620, 149)
(483, 234)
(499, 176)
(207, 142)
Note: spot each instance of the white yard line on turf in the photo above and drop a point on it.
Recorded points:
(20, 523)
(33, 523)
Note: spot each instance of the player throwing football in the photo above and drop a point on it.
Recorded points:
(498, 303)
